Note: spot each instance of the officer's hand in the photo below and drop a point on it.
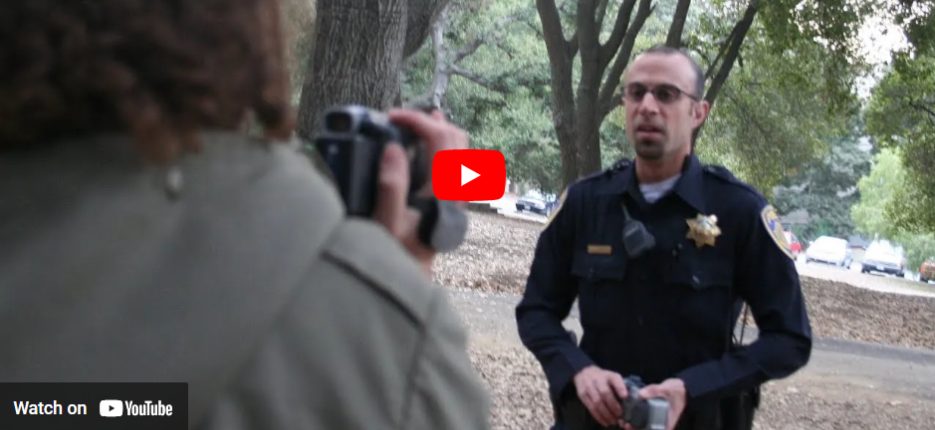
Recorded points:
(673, 390)
(391, 209)
(600, 391)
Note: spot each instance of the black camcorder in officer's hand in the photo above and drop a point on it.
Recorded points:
(351, 143)
(649, 414)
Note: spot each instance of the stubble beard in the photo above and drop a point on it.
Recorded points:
(649, 150)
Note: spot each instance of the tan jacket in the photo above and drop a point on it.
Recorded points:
(249, 285)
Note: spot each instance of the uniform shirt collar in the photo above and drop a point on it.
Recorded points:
(688, 188)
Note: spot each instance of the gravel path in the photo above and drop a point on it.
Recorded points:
(846, 384)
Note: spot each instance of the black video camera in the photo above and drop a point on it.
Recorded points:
(351, 143)
(648, 414)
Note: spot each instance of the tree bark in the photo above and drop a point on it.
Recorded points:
(357, 53)
(442, 75)
(560, 53)
(421, 15)
(588, 142)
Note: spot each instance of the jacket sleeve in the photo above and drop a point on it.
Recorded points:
(550, 291)
(446, 392)
(767, 280)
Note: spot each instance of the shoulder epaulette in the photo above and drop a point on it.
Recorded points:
(618, 166)
(621, 164)
(725, 175)
(720, 172)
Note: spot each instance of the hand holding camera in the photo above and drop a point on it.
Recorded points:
(380, 163)
(643, 413)
(656, 406)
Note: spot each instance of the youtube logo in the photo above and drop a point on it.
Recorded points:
(468, 174)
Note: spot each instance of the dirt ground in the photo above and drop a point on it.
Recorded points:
(836, 391)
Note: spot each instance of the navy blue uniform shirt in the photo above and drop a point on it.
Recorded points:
(667, 313)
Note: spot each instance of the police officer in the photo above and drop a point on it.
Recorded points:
(659, 254)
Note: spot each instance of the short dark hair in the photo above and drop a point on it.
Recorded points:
(668, 50)
(159, 70)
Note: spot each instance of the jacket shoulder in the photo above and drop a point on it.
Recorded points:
(739, 189)
(597, 179)
(618, 166)
(379, 263)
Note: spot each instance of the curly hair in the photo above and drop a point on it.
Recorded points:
(159, 70)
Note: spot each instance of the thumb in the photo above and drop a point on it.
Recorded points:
(651, 391)
(392, 188)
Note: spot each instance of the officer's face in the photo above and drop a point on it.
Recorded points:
(661, 107)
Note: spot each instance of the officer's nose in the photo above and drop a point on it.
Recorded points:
(649, 105)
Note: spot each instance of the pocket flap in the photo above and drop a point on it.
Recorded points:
(700, 274)
(593, 267)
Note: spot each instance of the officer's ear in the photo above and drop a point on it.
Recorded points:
(700, 113)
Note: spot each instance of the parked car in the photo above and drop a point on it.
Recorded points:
(794, 245)
(829, 250)
(927, 270)
(535, 203)
(882, 256)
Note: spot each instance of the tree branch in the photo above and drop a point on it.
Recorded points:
(733, 51)
(440, 77)
(491, 35)
(606, 99)
(478, 79)
(620, 29)
(468, 49)
(559, 61)
(601, 13)
(674, 39)
(573, 45)
(923, 108)
(587, 34)
(738, 34)
(712, 66)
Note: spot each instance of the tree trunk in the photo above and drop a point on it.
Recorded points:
(577, 115)
(589, 148)
(357, 54)
(561, 52)
(442, 75)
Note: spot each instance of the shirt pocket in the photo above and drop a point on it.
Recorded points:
(703, 285)
(600, 280)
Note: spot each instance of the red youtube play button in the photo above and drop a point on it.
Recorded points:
(468, 174)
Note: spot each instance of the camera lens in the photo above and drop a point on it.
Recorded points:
(340, 122)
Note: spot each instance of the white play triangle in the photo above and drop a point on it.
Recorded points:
(468, 175)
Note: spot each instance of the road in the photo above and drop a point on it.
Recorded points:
(844, 382)
(903, 371)
(852, 276)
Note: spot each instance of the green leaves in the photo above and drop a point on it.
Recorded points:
(901, 115)
(885, 204)
(774, 115)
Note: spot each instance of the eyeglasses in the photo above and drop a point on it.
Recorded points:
(663, 93)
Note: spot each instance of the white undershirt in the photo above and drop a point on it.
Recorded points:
(654, 191)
